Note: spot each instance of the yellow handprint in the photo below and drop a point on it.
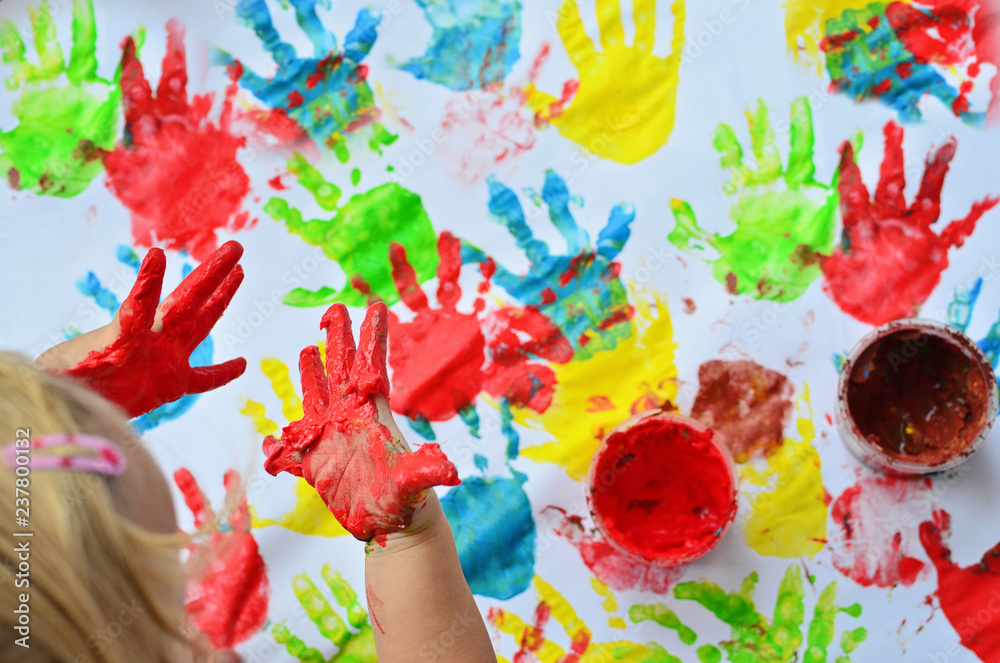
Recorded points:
(623, 107)
(309, 515)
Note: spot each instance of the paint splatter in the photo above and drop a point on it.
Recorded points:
(61, 128)
(474, 44)
(746, 405)
(612, 567)
(495, 534)
(327, 94)
(960, 312)
(581, 290)
(875, 540)
(309, 515)
(621, 118)
(969, 596)
(535, 646)
(176, 171)
(778, 640)
(227, 586)
(142, 369)
(804, 21)
(105, 298)
(787, 518)
(596, 395)
(901, 52)
(354, 640)
(783, 216)
(369, 481)
(483, 132)
(357, 236)
(869, 282)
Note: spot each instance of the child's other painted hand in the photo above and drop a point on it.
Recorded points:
(141, 359)
(347, 445)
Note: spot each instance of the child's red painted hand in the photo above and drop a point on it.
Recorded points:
(347, 445)
(147, 363)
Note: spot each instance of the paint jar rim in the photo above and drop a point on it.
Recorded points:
(628, 552)
(874, 455)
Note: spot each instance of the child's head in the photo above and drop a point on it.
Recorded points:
(102, 574)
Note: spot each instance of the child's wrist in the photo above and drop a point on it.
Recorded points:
(427, 524)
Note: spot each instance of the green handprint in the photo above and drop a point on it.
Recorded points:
(784, 218)
(55, 148)
(358, 236)
(354, 645)
(754, 639)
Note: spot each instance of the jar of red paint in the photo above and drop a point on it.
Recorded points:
(916, 397)
(661, 489)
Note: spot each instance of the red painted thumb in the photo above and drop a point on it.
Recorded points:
(423, 469)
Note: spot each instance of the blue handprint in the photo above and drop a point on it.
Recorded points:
(581, 291)
(91, 286)
(474, 45)
(326, 94)
(960, 312)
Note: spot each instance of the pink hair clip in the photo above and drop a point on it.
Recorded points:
(108, 458)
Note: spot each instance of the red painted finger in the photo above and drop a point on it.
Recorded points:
(193, 497)
(854, 199)
(339, 348)
(927, 205)
(281, 458)
(889, 197)
(136, 93)
(171, 91)
(210, 313)
(957, 231)
(369, 375)
(449, 269)
(180, 308)
(405, 278)
(315, 389)
(207, 378)
(139, 308)
(236, 502)
(423, 469)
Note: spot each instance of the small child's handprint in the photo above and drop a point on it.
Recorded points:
(227, 589)
(621, 117)
(55, 147)
(357, 236)
(327, 94)
(580, 291)
(176, 171)
(474, 45)
(354, 645)
(890, 259)
(783, 216)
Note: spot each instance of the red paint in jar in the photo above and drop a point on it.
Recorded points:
(661, 489)
(916, 397)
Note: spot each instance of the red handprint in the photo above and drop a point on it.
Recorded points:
(890, 260)
(364, 472)
(148, 363)
(177, 172)
(970, 597)
(437, 358)
(227, 581)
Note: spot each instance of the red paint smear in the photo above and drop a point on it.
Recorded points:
(890, 259)
(485, 130)
(487, 268)
(144, 369)
(512, 335)
(663, 489)
(437, 358)
(876, 538)
(176, 172)
(374, 605)
(540, 61)
(746, 405)
(970, 596)
(619, 315)
(836, 42)
(295, 99)
(227, 595)
(340, 445)
(276, 183)
(610, 566)
(533, 637)
(548, 296)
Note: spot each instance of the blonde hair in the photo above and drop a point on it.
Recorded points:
(102, 587)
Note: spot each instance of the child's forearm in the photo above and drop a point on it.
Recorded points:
(417, 594)
(72, 351)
